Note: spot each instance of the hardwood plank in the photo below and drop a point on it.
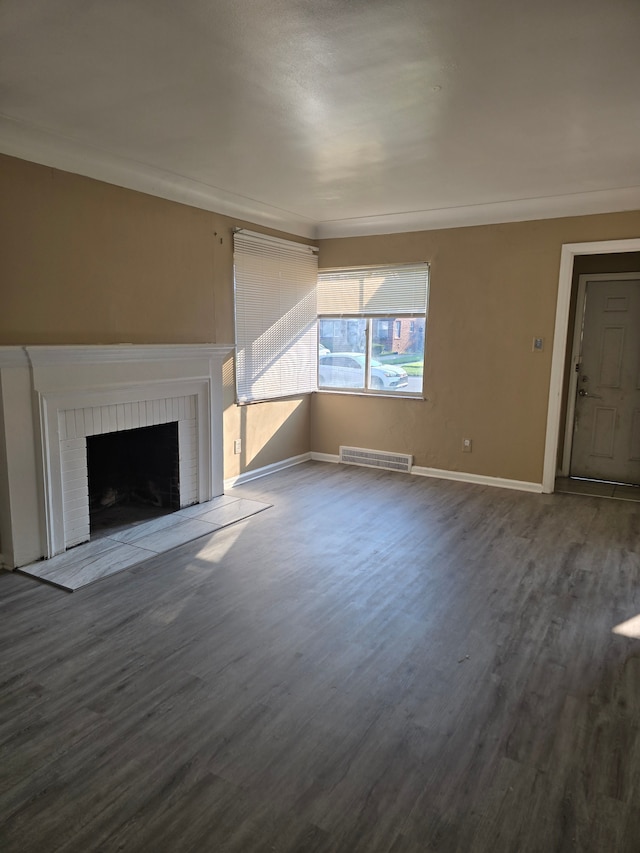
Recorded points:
(380, 663)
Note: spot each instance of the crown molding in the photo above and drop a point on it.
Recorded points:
(48, 149)
(28, 143)
(518, 210)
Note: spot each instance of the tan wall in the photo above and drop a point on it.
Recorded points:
(86, 262)
(493, 289)
(82, 261)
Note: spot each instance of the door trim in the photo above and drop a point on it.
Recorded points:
(560, 338)
(583, 280)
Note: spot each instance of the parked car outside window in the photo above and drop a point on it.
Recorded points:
(347, 370)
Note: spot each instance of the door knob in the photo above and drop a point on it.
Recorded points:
(584, 393)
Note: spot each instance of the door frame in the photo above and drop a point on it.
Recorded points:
(583, 280)
(560, 339)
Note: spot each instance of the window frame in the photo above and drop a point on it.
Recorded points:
(367, 388)
(392, 316)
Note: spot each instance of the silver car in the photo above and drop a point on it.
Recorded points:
(347, 370)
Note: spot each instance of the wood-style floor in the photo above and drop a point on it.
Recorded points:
(379, 664)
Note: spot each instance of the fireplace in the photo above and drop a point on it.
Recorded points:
(132, 475)
(78, 427)
(58, 404)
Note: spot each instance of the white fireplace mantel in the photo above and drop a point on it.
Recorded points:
(53, 397)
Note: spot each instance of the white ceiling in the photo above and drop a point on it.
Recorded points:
(334, 117)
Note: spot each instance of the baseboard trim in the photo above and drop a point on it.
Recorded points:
(460, 476)
(325, 457)
(477, 479)
(416, 470)
(230, 482)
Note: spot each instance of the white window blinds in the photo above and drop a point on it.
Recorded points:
(374, 290)
(275, 314)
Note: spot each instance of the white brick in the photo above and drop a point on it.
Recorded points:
(70, 420)
(75, 453)
(77, 538)
(79, 416)
(81, 493)
(72, 444)
(88, 421)
(73, 464)
(76, 535)
(75, 516)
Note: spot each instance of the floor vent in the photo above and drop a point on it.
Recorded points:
(376, 459)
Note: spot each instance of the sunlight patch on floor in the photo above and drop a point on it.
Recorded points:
(630, 628)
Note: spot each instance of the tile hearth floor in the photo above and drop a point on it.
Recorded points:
(125, 548)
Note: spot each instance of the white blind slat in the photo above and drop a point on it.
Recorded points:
(380, 290)
(276, 311)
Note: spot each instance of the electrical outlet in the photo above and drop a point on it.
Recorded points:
(237, 446)
(466, 445)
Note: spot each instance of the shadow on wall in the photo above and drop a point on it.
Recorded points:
(269, 432)
(274, 431)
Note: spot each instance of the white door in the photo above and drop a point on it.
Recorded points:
(606, 440)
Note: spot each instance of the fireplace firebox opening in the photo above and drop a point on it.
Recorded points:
(134, 475)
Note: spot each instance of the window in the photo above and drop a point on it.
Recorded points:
(372, 329)
(276, 317)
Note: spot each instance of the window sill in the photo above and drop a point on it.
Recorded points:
(378, 395)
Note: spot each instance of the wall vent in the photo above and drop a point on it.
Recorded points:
(376, 459)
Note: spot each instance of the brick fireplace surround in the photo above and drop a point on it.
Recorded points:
(53, 397)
